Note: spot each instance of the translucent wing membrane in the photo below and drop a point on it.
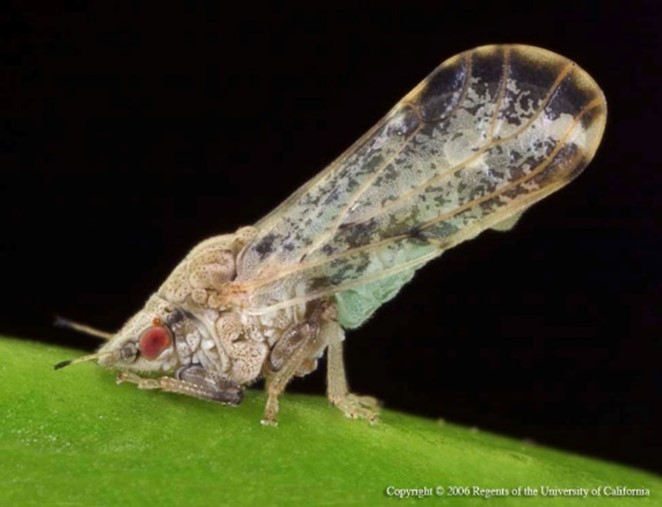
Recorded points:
(490, 132)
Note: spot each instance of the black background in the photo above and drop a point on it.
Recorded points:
(132, 132)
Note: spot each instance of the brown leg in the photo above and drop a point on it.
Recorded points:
(302, 343)
(191, 381)
(277, 381)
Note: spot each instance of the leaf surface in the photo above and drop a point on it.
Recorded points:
(73, 437)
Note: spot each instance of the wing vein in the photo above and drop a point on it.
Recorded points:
(534, 172)
(502, 93)
(323, 238)
(245, 286)
(450, 172)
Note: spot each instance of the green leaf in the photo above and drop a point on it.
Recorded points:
(72, 437)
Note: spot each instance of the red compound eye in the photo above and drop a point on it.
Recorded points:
(154, 341)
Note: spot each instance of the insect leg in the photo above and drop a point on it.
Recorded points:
(337, 391)
(308, 336)
(192, 381)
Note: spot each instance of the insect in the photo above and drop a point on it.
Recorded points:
(490, 132)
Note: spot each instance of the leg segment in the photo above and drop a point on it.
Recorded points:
(352, 405)
(192, 381)
(296, 353)
(277, 381)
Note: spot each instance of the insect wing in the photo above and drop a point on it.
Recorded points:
(490, 132)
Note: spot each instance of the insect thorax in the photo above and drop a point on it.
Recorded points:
(224, 338)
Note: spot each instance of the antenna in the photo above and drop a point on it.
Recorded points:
(82, 359)
(82, 328)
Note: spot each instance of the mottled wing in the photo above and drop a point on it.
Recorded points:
(490, 132)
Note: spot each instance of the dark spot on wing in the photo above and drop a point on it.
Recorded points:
(568, 99)
(319, 282)
(265, 246)
(327, 250)
(596, 113)
(567, 164)
(536, 74)
(487, 67)
(418, 236)
(358, 234)
(443, 89)
(579, 161)
(534, 78)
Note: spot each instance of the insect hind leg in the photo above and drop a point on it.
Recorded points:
(353, 405)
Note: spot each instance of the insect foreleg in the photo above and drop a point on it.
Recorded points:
(337, 390)
(192, 381)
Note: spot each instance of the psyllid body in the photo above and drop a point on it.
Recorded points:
(489, 133)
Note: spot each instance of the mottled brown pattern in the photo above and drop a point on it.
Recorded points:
(487, 134)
